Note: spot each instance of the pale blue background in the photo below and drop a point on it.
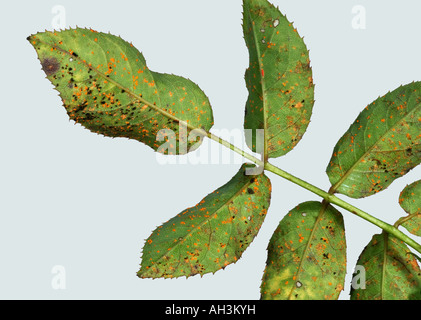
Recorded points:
(73, 198)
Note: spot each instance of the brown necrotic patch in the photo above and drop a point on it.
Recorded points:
(50, 65)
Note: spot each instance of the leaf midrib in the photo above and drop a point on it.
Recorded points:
(383, 276)
(265, 150)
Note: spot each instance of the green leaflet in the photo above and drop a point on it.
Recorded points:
(380, 146)
(279, 80)
(390, 272)
(410, 201)
(106, 86)
(212, 234)
(306, 255)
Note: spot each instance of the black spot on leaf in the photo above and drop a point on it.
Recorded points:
(50, 65)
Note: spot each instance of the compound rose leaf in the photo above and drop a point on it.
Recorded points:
(211, 235)
(306, 255)
(106, 86)
(380, 146)
(410, 201)
(388, 271)
(279, 81)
